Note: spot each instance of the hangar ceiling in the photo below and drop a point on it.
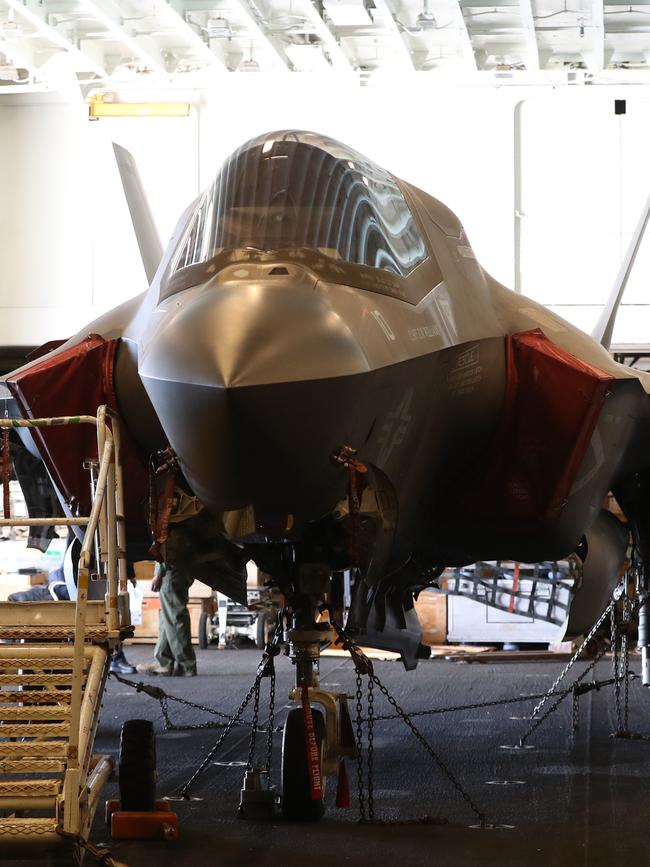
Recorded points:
(200, 41)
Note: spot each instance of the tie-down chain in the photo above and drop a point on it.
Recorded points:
(364, 667)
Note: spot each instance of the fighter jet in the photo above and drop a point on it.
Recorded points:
(311, 305)
(332, 383)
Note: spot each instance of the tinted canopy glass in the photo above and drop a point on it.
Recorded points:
(300, 190)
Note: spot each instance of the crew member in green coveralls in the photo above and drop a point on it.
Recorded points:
(174, 652)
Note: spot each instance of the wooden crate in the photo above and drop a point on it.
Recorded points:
(38, 578)
(143, 570)
(431, 609)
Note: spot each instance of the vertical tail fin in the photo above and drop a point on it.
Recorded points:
(143, 223)
(605, 325)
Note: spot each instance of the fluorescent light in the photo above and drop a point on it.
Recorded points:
(347, 13)
(99, 108)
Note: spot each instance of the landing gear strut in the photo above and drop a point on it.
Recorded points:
(312, 742)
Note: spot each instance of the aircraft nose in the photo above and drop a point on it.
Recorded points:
(255, 388)
(251, 335)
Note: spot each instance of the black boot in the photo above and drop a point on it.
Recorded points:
(120, 664)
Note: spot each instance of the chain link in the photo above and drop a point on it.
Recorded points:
(616, 668)
(361, 791)
(428, 748)
(253, 740)
(270, 725)
(537, 721)
(266, 668)
(478, 705)
(163, 698)
(371, 749)
(625, 659)
(102, 856)
(364, 666)
(553, 688)
(164, 709)
(185, 791)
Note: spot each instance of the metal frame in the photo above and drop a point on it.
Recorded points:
(72, 720)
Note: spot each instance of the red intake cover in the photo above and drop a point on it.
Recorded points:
(69, 383)
(551, 407)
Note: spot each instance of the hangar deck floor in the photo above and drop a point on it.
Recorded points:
(582, 798)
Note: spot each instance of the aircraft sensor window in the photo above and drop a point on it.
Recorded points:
(303, 191)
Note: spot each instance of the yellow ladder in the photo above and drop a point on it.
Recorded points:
(54, 662)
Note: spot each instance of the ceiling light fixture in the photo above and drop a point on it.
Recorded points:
(426, 20)
(249, 66)
(218, 28)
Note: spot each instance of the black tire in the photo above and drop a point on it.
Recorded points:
(265, 625)
(137, 769)
(297, 805)
(203, 630)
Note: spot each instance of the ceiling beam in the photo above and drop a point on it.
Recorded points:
(338, 57)
(116, 30)
(42, 28)
(386, 18)
(595, 58)
(531, 52)
(466, 48)
(252, 24)
(186, 30)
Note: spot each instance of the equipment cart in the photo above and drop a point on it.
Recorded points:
(54, 662)
(223, 621)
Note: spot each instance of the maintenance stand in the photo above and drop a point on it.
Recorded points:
(54, 663)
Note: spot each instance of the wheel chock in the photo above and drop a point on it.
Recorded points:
(157, 824)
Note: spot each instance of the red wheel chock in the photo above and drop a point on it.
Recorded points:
(157, 824)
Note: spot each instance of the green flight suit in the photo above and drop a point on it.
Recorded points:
(174, 645)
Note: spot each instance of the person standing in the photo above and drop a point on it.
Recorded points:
(174, 652)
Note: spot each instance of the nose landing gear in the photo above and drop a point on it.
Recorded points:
(302, 788)
(313, 743)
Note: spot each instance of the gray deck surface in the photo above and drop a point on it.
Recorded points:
(582, 799)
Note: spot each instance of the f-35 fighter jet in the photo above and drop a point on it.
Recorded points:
(332, 382)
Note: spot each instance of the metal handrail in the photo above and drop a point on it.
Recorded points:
(44, 522)
(106, 518)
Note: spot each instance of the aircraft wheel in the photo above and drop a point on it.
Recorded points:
(204, 623)
(264, 626)
(297, 805)
(137, 766)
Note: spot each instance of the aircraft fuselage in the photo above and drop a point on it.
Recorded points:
(310, 301)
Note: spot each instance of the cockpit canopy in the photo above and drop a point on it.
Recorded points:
(298, 190)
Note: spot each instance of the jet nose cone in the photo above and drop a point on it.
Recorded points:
(255, 388)
(250, 335)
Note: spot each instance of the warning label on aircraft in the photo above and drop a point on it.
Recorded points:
(467, 373)
(313, 751)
